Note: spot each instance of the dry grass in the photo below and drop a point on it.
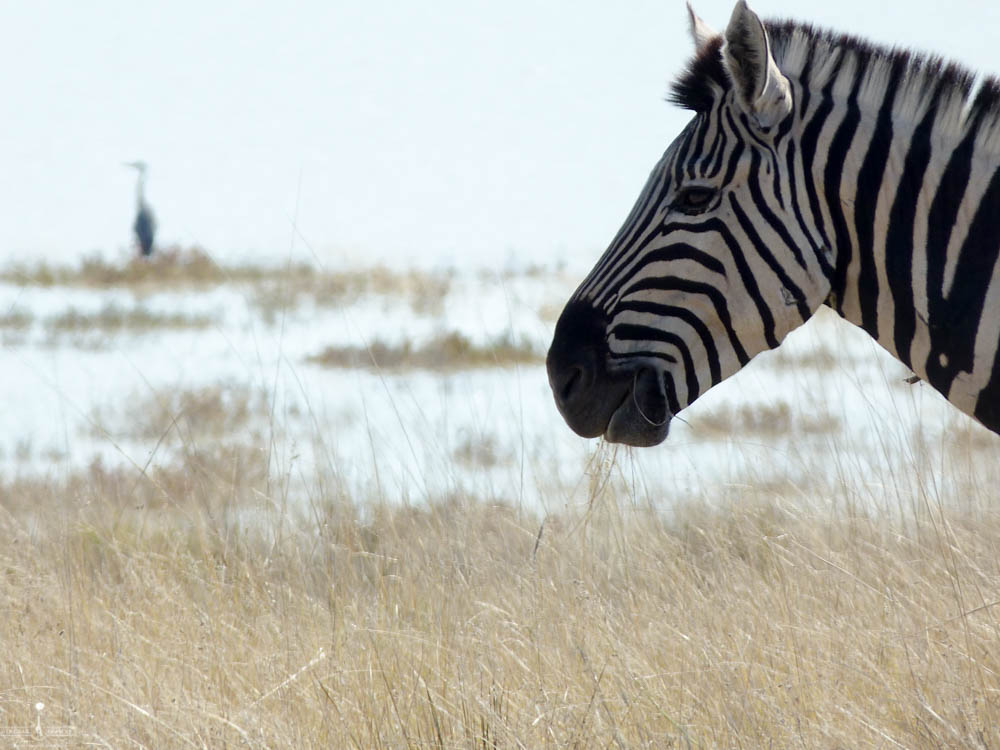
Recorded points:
(15, 324)
(209, 600)
(16, 319)
(170, 267)
(183, 416)
(764, 419)
(481, 451)
(822, 360)
(272, 289)
(149, 611)
(93, 329)
(444, 352)
(424, 293)
(114, 319)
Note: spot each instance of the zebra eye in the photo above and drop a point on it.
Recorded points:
(694, 199)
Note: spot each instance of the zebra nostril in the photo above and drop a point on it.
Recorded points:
(576, 364)
(571, 385)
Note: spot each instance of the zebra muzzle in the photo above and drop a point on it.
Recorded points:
(643, 418)
(626, 403)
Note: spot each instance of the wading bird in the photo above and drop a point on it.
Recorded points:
(145, 223)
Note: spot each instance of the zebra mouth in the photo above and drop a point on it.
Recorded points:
(625, 400)
(642, 418)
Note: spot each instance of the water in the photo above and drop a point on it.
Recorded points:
(827, 414)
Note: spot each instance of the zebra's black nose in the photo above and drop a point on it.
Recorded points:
(571, 382)
(577, 368)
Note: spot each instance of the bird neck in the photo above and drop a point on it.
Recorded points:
(140, 186)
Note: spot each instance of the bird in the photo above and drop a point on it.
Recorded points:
(145, 223)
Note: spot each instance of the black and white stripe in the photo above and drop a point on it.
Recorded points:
(818, 169)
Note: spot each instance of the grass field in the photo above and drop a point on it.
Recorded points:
(197, 593)
(184, 610)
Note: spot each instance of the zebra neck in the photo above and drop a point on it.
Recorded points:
(909, 173)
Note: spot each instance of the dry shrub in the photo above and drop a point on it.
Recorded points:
(16, 319)
(114, 319)
(764, 419)
(481, 450)
(424, 292)
(445, 351)
(15, 324)
(274, 288)
(183, 415)
(166, 268)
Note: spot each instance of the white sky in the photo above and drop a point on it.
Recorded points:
(453, 131)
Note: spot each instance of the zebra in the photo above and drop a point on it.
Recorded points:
(819, 168)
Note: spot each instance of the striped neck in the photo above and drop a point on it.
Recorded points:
(899, 162)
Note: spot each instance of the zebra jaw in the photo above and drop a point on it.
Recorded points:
(643, 417)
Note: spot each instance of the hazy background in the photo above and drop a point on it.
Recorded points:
(450, 132)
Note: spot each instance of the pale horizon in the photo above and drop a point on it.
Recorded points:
(464, 134)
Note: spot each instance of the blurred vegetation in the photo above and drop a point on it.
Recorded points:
(770, 419)
(273, 288)
(442, 352)
(168, 267)
(113, 318)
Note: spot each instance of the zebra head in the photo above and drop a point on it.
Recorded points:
(715, 262)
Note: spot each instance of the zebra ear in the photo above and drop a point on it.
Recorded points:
(701, 32)
(760, 86)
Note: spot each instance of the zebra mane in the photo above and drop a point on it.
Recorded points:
(703, 81)
(817, 58)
